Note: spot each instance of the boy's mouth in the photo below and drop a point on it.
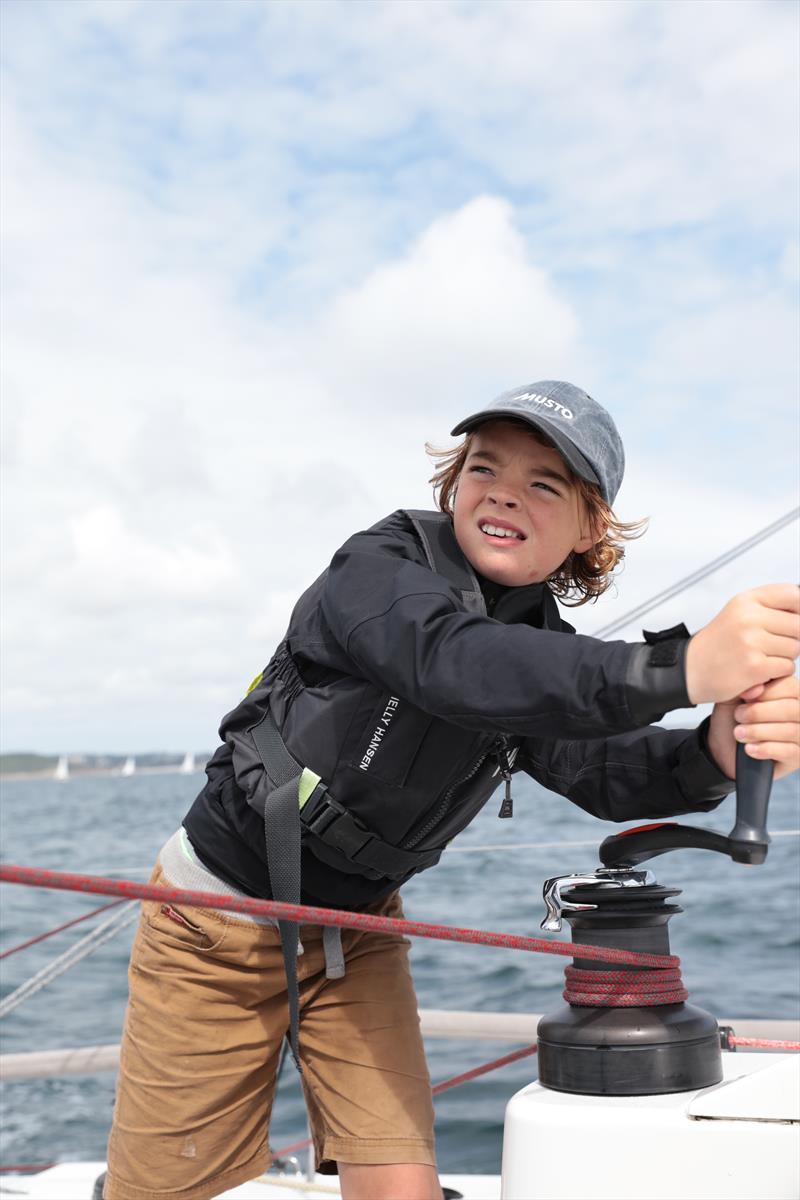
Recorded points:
(500, 532)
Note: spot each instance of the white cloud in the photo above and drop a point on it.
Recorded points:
(112, 564)
(195, 466)
(464, 308)
(256, 255)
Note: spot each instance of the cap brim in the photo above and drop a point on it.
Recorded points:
(580, 465)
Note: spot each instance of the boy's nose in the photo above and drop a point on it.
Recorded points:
(504, 497)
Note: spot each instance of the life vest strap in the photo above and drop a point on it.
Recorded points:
(445, 557)
(338, 828)
(282, 837)
(285, 814)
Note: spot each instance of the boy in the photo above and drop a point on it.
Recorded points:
(424, 665)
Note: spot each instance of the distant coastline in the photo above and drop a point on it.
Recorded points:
(24, 765)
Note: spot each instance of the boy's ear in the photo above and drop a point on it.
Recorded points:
(597, 528)
(584, 544)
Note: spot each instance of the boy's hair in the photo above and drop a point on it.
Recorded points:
(582, 577)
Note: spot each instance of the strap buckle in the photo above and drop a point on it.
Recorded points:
(321, 811)
(341, 831)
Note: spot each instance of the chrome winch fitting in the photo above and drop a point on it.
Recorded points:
(604, 877)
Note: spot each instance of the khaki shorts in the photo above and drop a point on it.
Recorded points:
(206, 1018)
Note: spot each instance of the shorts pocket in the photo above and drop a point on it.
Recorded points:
(194, 928)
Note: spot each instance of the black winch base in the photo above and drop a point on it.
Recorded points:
(631, 1051)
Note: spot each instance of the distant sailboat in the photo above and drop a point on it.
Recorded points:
(129, 766)
(188, 766)
(62, 768)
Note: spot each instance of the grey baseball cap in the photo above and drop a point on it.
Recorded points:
(577, 425)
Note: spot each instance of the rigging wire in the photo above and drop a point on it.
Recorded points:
(87, 945)
(696, 576)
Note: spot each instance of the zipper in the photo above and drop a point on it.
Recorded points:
(441, 811)
(504, 767)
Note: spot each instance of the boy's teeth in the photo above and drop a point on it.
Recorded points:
(498, 531)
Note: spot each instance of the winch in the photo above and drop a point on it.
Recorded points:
(612, 1039)
(615, 1037)
(626, 1065)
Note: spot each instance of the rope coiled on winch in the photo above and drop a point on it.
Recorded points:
(624, 989)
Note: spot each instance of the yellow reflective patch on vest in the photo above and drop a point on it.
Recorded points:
(255, 683)
(308, 781)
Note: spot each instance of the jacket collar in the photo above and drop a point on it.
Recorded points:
(531, 605)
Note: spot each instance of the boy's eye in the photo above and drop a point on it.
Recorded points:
(545, 487)
(477, 469)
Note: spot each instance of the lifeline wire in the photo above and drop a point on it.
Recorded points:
(484, 847)
(696, 576)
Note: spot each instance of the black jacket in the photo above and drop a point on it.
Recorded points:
(406, 702)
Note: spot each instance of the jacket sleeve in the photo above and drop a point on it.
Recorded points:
(648, 773)
(405, 629)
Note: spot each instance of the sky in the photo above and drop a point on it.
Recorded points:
(256, 254)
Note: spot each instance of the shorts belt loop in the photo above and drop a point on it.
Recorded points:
(334, 955)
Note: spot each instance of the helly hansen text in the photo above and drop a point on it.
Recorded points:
(380, 730)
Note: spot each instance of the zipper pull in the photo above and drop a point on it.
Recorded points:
(507, 807)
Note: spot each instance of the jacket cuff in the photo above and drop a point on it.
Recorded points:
(656, 677)
(697, 775)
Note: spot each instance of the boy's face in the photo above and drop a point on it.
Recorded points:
(517, 513)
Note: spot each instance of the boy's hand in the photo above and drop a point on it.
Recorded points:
(755, 638)
(767, 719)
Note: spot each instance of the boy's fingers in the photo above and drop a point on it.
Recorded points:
(779, 595)
(778, 668)
(765, 693)
(778, 688)
(783, 623)
(783, 754)
(754, 639)
(780, 647)
(753, 693)
(749, 715)
(769, 731)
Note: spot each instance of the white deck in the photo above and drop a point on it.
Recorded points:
(75, 1181)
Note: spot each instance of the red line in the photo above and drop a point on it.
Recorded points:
(444, 1086)
(764, 1043)
(67, 924)
(290, 1149)
(525, 1052)
(312, 915)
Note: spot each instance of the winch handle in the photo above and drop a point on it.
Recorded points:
(749, 838)
(747, 842)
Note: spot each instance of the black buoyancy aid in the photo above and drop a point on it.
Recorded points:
(323, 815)
(298, 800)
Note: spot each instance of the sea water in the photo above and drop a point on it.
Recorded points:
(737, 939)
